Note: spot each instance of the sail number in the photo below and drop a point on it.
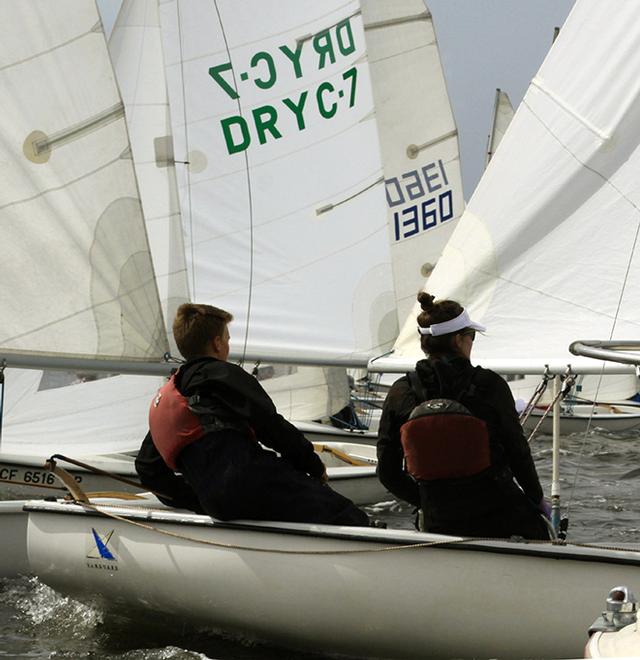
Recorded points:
(265, 122)
(413, 186)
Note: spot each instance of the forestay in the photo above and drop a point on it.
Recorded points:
(282, 195)
(418, 138)
(546, 251)
(76, 269)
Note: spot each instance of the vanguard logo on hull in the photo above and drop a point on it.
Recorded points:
(100, 554)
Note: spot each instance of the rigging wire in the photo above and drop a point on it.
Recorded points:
(186, 146)
(249, 198)
(613, 327)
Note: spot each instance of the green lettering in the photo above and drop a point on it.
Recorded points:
(215, 72)
(323, 46)
(271, 68)
(227, 124)
(294, 56)
(344, 36)
(352, 74)
(297, 109)
(265, 118)
(327, 114)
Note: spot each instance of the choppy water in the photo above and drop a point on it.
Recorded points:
(599, 491)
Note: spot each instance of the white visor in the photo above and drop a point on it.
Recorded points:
(459, 323)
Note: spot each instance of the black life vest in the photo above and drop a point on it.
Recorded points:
(442, 439)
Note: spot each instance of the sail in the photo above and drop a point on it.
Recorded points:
(135, 46)
(418, 139)
(282, 188)
(502, 116)
(545, 252)
(77, 274)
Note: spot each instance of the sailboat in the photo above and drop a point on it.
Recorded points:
(56, 419)
(614, 411)
(312, 586)
(502, 116)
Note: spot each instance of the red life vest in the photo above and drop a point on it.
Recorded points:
(443, 440)
(172, 424)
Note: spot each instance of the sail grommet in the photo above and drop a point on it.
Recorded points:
(36, 147)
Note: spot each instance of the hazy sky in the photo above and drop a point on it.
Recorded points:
(484, 44)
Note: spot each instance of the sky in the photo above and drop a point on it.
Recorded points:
(484, 45)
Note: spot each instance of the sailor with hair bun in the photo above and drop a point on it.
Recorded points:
(450, 441)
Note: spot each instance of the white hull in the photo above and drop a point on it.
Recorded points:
(302, 586)
(317, 432)
(613, 418)
(25, 476)
(624, 643)
(13, 539)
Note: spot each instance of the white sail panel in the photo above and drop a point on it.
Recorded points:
(83, 419)
(418, 138)
(77, 274)
(135, 47)
(285, 218)
(546, 252)
(502, 116)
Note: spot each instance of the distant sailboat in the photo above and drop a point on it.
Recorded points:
(502, 116)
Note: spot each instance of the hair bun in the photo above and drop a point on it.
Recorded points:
(426, 301)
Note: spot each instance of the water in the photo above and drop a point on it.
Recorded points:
(602, 501)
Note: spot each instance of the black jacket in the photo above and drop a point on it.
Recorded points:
(230, 393)
(489, 398)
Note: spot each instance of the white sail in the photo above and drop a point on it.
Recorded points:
(135, 46)
(282, 198)
(546, 251)
(502, 116)
(418, 138)
(136, 51)
(77, 273)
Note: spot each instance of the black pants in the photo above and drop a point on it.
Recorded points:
(487, 505)
(234, 478)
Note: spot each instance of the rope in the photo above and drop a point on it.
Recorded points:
(535, 397)
(569, 380)
(233, 546)
(391, 548)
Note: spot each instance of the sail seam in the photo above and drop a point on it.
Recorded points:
(49, 50)
(539, 84)
(71, 182)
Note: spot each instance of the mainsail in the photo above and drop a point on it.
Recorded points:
(418, 138)
(546, 251)
(282, 185)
